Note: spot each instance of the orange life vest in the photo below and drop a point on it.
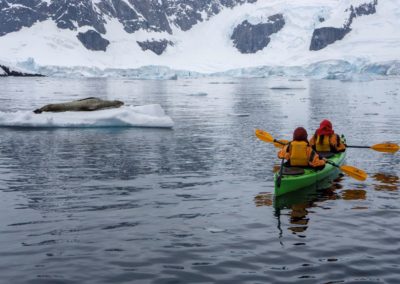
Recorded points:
(325, 146)
(330, 143)
(298, 153)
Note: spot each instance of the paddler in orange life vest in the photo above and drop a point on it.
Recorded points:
(299, 153)
(325, 139)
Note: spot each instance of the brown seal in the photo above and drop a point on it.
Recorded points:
(88, 104)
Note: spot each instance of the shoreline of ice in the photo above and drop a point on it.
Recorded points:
(358, 69)
(152, 116)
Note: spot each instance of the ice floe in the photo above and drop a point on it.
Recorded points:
(125, 116)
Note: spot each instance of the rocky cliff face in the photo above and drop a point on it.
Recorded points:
(249, 38)
(156, 46)
(93, 40)
(325, 36)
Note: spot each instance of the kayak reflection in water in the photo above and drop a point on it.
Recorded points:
(296, 205)
(299, 153)
(325, 139)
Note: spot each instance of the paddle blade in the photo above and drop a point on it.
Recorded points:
(354, 172)
(281, 143)
(264, 136)
(386, 147)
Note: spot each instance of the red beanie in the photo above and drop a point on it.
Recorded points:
(325, 128)
(300, 134)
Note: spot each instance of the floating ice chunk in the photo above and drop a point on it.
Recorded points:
(200, 94)
(239, 114)
(223, 82)
(285, 87)
(125, 116)
(215, 230)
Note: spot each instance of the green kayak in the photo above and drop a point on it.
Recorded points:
(292, 181)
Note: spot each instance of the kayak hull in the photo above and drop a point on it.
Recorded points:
(290, 183)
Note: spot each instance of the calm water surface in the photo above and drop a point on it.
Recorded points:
(195, 204)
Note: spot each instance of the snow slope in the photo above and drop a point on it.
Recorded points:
(207, 47)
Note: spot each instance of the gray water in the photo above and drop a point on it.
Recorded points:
(195, 204)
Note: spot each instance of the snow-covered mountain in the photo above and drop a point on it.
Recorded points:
(197, 35)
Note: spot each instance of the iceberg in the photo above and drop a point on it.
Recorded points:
(125, 116)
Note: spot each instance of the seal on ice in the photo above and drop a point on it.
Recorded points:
(88, 104)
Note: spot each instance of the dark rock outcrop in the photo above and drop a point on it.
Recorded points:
(366, 9)
(325, 36)
(93, 40)
(362, 10)
(248, 38)
(157, 46)
(6, 71)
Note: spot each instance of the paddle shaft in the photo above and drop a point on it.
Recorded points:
(331, 163)
(360, 147)
(279, 142)
(278, 181)
(382, 147)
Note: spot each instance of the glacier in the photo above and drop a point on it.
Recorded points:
(327, 69)
(152, 116)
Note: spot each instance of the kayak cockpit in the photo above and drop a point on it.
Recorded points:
(292, 171)
(296, 178)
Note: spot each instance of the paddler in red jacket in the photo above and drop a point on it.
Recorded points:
(325, 139)
(299, 153)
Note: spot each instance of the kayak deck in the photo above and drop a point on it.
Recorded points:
(310, 177)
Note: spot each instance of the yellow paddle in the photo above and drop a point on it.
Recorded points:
(266, 137)
(349, 170)
(386, 147)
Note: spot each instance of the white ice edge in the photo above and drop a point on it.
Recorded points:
(125, 116)
(327, 69)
